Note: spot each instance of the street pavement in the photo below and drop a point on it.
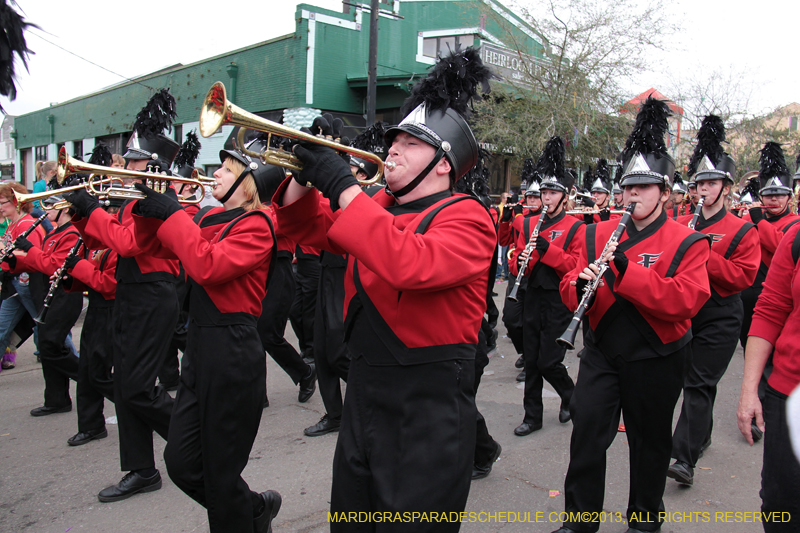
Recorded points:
(49, 487)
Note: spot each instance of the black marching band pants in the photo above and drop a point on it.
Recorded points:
(485, 445)
(95, 382)
(301, 314)
(780, 474)
(605, 386)
(144, 321)
(407, 443)
(59, 364)
(272, 322)
(714, 338)
(512, 313)
(217, 413)
(331, 355)
(545, 319)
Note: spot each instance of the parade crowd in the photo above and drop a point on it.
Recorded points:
(389, 290)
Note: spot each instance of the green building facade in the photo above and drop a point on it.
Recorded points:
(321, 67)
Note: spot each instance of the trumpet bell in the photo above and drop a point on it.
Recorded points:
(218, 111)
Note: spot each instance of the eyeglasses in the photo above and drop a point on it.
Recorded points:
(4, 203)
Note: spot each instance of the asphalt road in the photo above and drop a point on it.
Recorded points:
(47, 486)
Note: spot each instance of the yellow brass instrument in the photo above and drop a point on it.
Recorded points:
(63, 204)
(68, 166)
(218, 111)
(574, 194)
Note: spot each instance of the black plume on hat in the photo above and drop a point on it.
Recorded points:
(771, 162)
(649, 130)
(551, 162)
(476, 180)
(189, 151)
(101, 155)
(157, 115)
(618, 175)
(12, 42)
(528, 173)
(710, 137)
(602, 172)
(677, 178)
(451, 83)
(371, 139)
(752, 187)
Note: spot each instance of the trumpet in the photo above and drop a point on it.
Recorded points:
(574, 194)
(218, 111)
(68, 166)
(63, 204)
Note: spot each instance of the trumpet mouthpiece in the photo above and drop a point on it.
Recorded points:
(391, 165)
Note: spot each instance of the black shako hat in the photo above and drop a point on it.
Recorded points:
(436, 112)
(187, 155)
(530, 176)
(602, 177)
(645, 158)
(709, 161)
(266, 177)
(148, 140)
(550, 167)
(369, 140)
(773, 174)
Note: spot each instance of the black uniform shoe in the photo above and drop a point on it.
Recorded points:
(481, 471)
(757, 433)
(325, 425)
(86, 436)
(266, 401)
(130, 484)
(681, 472)
(563, 413)
(44, 410)
(519, 363)
(308, 385)
(521, 376)
(272, 504)
(526, 429)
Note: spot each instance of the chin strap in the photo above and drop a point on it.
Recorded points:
(245, 172)
(421, 176)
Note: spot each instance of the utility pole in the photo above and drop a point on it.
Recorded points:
(372, 68)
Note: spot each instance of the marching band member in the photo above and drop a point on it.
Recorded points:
(227, 256)
(732, 266)
(20, 291)
(601, 194)
(97, 276)
(673, 205)
(145, 307)
(545, 316)
(641, 329)
(407, 436)
(59, 363)
(616, 191)
(772, 218)
(773, 334)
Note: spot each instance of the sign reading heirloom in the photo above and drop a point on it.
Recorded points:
(510, 65)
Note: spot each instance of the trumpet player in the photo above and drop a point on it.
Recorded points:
(641, 327)
(59, 363)
(145, 307)
(544, 314)
(732, 266)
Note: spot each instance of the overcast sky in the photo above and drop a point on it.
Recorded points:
(135, 38)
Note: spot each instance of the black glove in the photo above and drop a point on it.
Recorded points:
(586, 201)
(580, 286)
(756, 214)
(507, 214)
(82, 202)
(542, 244)
(325, 170)
(11, 259)
(23, 244)
(157, 205)
(71, 261)
(518, 209)
(621, 262)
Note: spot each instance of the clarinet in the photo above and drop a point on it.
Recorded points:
(567, 339)
(696, 215)
(9, 249)
(59, 275)
(528, 248)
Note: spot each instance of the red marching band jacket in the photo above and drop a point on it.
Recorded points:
(50, 256)
(507, 231)
(777, 315)
(666, 279)
(770, 232)
(15, 230)
(430, 288)
(562, 232)
(101, 230)
(735, 252)
(228, 253)
(98, 273)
